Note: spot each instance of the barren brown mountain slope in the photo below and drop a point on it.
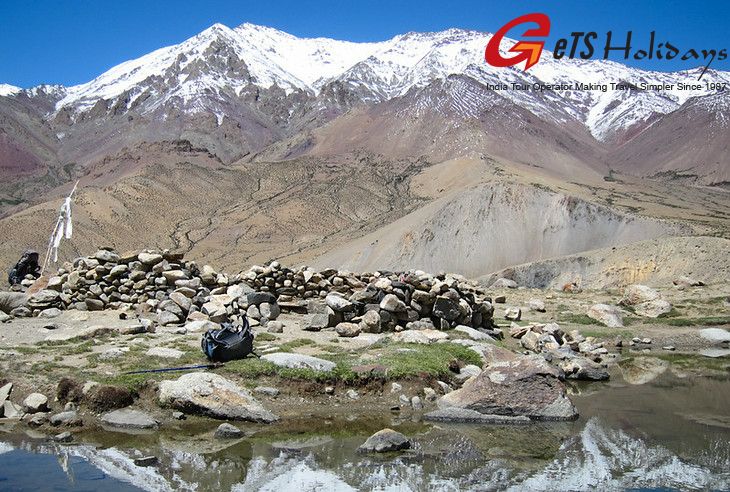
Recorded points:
(656, 262)
(692, 143)
(449, 118)
(470, 215)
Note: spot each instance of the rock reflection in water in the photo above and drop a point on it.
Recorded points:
(667, 433)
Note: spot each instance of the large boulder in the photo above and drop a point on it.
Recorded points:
(514, 385)
(610, 316)
(637, 294)
(645, 301)
(653, 309)
(12, 300)
(213, 395)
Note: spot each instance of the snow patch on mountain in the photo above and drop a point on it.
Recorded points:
(8, 90)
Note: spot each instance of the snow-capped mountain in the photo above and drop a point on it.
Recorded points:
(221, 63)
(257, 93)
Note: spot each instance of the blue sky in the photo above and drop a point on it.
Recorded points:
(72, 42)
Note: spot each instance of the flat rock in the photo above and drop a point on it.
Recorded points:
(213, 395)
(201, 326)
(384, 441)
(454, 414)
(165, 353)
(299, 361)
(472, 333)
(715, 335)
(128, 418)
(419, 336)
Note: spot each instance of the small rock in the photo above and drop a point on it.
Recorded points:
(5, 392)
(445, 387)
(146, 461)
(50, 313)
(266, 390)
(178, 416)
(385, 441)
(395, 388)
(430, 394)
(338, 303)
(69, 419)
(275, 327)
(513, 314)
(63, 437)
(329, 390)
(352, 394)
(392, 304)
(416, 403)
(536, 305)
(347, 330)
(11, 410)
(35, 402)
(670, 348)
(228, 431)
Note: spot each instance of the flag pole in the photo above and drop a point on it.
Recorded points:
(55, 232)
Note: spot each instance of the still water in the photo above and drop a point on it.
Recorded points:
(670, 433)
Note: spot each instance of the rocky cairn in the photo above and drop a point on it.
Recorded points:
(179, 291)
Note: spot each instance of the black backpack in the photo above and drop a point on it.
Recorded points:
(228, 343)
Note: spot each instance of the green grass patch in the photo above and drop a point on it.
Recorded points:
(700, 321)
(578, 319)
(300, 342)
(414, 360)
(265, 337)
(26, 349)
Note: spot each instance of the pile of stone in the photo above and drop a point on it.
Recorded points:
(149, 281)
(180, 291)
(373, 303)
(575, 354)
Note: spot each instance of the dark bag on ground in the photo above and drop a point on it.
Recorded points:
(228, 343)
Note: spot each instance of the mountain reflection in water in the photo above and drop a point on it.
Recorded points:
(671, 433)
